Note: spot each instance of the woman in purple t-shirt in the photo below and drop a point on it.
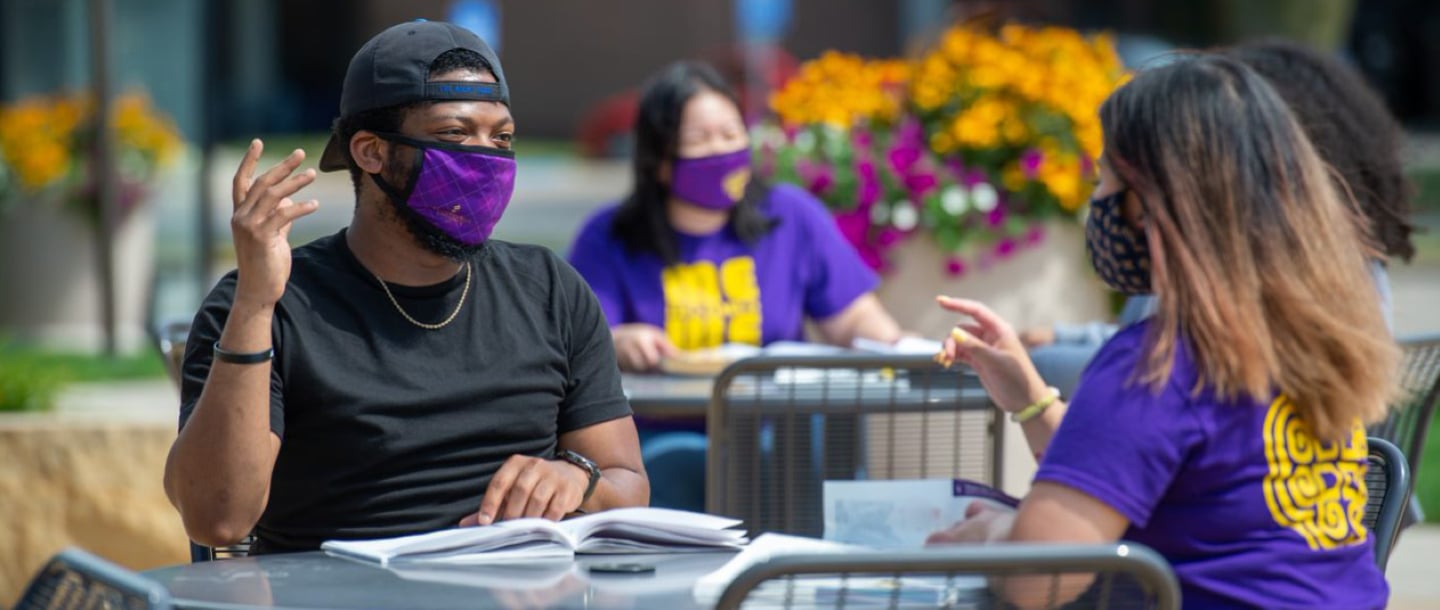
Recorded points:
(699, 254)
(1226, 431)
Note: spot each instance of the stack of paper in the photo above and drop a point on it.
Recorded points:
(625, 530)
(906, 346)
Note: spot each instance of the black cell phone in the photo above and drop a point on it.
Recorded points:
(622, 568)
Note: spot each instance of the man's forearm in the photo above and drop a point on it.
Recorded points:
(618, 488)
(218, 472)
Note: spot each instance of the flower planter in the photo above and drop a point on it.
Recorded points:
(50, 281)
(1041, 284)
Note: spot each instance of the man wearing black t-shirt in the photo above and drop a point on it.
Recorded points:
(406, 373)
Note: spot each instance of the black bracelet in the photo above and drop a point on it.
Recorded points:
(239, 358)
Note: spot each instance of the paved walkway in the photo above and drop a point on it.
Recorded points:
(1414, 580)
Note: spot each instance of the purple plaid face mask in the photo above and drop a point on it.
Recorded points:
(460, 190)
(716, 182)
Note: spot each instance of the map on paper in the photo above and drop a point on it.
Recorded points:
(899, 514)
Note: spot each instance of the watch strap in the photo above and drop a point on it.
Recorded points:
(585, 464)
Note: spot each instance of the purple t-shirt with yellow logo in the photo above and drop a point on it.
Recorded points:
(723, 290)
(1249, 508)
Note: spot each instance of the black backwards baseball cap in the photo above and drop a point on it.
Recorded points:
(393, 67)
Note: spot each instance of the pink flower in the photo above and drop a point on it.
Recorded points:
(867, 190)
(910, 135)
(862, 139)
(955, 267)
(920, 184)
(818, 177)
(957, 168)
(995, 217)
(1035, 235)
(1005, 248)
(1030, 162)
(902, 159)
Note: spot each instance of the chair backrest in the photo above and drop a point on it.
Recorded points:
(1387, 480)
(76, 580)
(1409, 421)
(1103, 576)
(781, 426)
(170, 339)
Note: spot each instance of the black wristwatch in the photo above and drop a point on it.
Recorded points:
(584, 463)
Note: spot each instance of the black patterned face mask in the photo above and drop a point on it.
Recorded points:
(1119, 254)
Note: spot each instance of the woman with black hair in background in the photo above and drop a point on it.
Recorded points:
(700, 254)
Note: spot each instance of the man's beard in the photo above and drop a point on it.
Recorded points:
(425, 234)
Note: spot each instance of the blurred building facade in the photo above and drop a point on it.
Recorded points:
(273, 66)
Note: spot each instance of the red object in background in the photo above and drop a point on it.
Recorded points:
(614, 117)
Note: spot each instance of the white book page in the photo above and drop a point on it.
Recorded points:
(462, 540)
(660, 522)
(657, 527)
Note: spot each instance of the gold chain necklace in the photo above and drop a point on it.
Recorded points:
(443, 323)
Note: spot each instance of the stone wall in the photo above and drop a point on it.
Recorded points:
(86, 481)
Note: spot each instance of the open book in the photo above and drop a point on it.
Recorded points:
(623, 531)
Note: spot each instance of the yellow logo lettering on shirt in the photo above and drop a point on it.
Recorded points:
(1315, 488)
(705, 304)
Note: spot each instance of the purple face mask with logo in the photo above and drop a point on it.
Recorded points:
(460, 190)
(716, 182)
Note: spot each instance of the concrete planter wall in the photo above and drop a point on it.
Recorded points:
(91, 480)
(1046, 283)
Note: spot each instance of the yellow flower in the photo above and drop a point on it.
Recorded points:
(39, 136)
(840, 90)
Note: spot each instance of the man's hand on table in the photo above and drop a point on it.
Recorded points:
(531, 487)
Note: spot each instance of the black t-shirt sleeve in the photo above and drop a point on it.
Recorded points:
(592, 392)
(199, 351)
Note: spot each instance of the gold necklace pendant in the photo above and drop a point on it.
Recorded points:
(443, 323)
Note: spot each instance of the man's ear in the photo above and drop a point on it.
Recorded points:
(368, 151)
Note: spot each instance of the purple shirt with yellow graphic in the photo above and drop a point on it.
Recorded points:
(722, 290)
(1249, 508)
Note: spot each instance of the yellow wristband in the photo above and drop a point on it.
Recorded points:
(1029, 413)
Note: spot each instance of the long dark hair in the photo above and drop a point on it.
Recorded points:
(1350, 128)
(640, 222)
(1257, 260)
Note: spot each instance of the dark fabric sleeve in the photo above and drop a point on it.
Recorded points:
(592, 392)
(199, 350)
(1120, 442)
